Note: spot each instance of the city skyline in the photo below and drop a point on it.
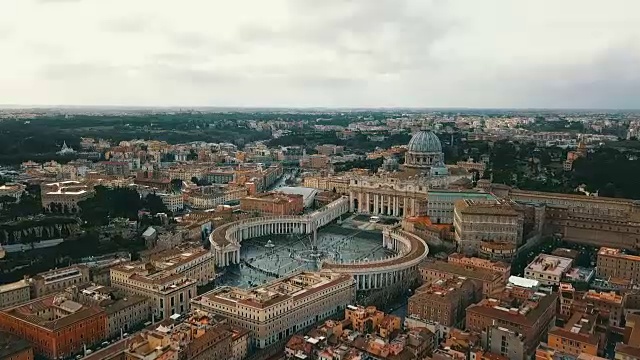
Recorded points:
(350, 54)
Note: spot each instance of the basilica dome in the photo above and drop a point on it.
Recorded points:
(424, 151)
(425, 142)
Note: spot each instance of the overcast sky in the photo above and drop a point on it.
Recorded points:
(334, 53)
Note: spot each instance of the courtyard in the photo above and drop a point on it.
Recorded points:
(266, 258)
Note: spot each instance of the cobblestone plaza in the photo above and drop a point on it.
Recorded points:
(264, 258)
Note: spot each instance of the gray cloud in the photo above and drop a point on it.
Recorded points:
(128, 24)
(58, 1)
(609, 80)
(77, 71)
(322, 53)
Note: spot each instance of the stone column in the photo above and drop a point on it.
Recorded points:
(368, 201)
(404, 207)
(375, 204)
(351, 198)
(413, 207)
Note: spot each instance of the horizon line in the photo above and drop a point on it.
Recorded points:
(193, 107)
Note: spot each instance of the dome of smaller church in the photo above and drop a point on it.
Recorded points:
(425, 142)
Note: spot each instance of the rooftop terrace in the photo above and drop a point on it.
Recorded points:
(549, 264)
(292, 287)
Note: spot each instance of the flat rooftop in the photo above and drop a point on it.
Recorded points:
(12, 187)
(580, 274)
(441, 288)
(52, 313)
(578, 328)
(485, 207)
(59, 274)
(566, 253)
(460, 270)
(550, 264)
(526, 313)
(295, 286)
(610, 297)
(174, 257)
(14, 286)
(523, 282)
(613, 252)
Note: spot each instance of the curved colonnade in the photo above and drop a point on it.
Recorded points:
(373, 274)
(225, 240)
(379, 274)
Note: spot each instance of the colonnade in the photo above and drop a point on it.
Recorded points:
(379, 274)
(382, 204)
(380, 280)
(225, 240)
(369, 275)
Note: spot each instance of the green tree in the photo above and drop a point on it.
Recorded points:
(154, 204)
(176, 184)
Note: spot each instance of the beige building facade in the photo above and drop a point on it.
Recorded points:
(614, 263)
(169, 293)
(14, 293)
(65, 194)
(277, 310)
(57, 280)
(486, 221)
(195, 263)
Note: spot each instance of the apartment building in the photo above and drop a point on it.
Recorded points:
(195, 339)
(315, 161)
(530, 313)
(173, 201)
(577, 336)
(608, 306)
(57, 280)
(277, 310)
(14, 293)
(340, 184)
(477, 221)
(492, 281)
(500, 267)
(186, 172)
(548, 269)
(220, 176)
(123, 312)
(629, 349)
(196, 263)
(64, 195)
(239, 342)
(14, 348)
(55, 326)
(614, 263)
(364, 319)
(329, 149)
(445, 300)
(504, 342)
(367, 320)
(169, 293)
(441, 203)
(13, 190)
(211, 196)
(273, 203)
